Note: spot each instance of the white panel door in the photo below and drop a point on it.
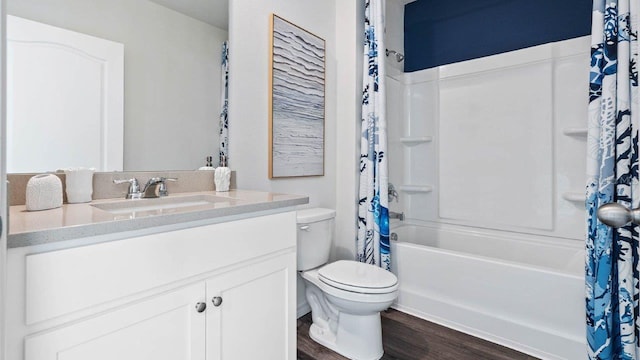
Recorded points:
(64, 99)
(167, 327)
(256, 316)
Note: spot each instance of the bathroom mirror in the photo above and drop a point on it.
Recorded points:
(172, 74)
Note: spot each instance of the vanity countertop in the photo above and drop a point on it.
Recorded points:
(74, 221)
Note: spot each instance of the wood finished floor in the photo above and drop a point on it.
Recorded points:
(406, 337)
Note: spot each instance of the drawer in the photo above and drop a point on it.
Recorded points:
(64, 281)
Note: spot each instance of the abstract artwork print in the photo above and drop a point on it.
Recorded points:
(296, 131)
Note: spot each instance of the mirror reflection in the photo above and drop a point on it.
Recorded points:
(172, 84)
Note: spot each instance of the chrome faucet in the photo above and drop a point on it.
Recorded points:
(134, 188)
(155, 187)
(395, 215)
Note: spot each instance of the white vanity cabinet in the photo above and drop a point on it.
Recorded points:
(165, 327)
(217, 292)
(249, 314)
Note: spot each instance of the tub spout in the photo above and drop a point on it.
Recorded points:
(395, 215)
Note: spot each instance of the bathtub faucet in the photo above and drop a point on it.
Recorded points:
(395, 215)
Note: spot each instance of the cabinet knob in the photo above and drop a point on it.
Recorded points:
(200, 307)
(217, 301)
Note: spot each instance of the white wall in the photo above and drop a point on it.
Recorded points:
(172, 75)
(248, 94)
(350, 48)
(248, 99)
(339, 23)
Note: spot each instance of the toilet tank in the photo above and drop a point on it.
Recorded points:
(315, 235)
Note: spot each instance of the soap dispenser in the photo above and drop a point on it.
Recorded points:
(222, 176)
(209, 164)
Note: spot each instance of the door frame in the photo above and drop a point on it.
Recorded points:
(3, 180)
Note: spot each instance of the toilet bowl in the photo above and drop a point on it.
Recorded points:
(345, 296)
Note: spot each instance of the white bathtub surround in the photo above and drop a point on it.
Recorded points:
(517, 290)
(373, 215)
(494, 150)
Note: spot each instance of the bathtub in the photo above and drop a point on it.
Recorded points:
(523, 293)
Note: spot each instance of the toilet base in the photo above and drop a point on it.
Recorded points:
(344, 321)
(357, 337)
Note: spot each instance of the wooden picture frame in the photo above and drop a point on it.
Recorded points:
(296, 101)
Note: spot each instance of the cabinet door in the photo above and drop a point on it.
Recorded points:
(256, 318)
(168, 326)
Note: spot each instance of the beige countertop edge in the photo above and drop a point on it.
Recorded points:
(252, 202)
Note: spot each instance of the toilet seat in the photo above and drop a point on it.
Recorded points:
(358, 277)
(359, 296)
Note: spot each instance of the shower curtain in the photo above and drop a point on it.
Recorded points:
(612, 166)
(373, 215)
(224, 104)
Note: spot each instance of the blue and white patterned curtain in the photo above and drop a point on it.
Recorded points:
(224, 104)
(612, 168)
(373, 215)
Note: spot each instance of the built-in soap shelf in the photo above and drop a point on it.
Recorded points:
(579, 132)
(574, 196)
(415, 189)
(415, 140)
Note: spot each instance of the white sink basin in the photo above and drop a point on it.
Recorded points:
(166, 204)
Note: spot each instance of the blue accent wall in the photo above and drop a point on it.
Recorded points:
(438, 32)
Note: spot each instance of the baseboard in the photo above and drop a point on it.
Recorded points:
(303, 309)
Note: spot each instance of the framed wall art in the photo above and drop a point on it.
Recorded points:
(296, 100)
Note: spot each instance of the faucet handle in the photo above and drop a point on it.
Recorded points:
(159, 180)
(162, 191)
(392, 193)
(134, 187)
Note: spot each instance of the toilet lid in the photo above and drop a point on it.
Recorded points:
(358, 277)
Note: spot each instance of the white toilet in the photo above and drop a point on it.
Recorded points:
(346, 297)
